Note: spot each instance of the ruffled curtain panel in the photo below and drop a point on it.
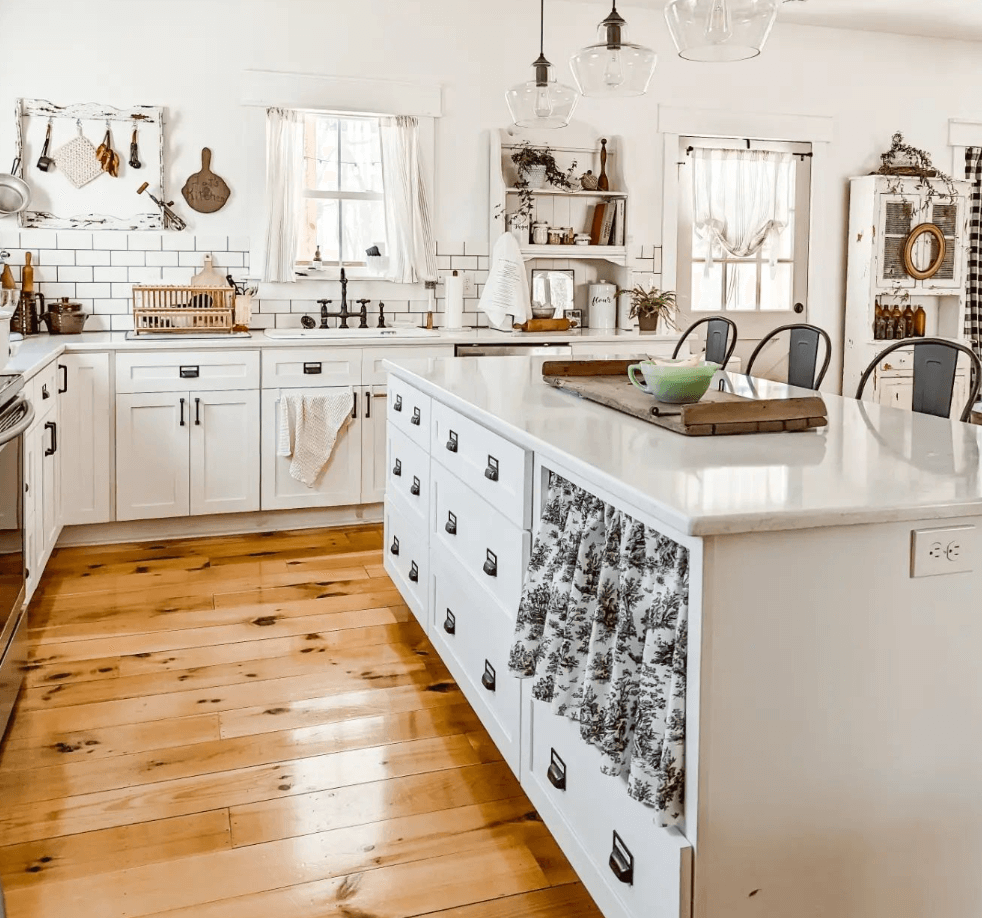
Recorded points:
(284, 174)
(602, 631)
(409, 230)
(741, 200)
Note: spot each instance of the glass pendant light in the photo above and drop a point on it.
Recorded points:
(541, 102)
(613, 66)
(720, 30)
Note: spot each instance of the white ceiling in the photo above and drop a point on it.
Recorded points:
(960, 19)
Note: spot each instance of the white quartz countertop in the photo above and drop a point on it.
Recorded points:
(871, 464)
(36, 351)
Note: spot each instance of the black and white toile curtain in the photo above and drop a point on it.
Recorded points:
(973, 286)
(602, 630)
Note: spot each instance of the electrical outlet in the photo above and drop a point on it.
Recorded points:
(469, 287)
(942, 551)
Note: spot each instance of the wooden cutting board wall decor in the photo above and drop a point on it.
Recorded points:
(204, 191)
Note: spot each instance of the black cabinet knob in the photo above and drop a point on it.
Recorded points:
(416, 418)
(488, 680)
(397, 468)
(398, 403)
(414, 572)
(450, 623)
(491, 564)
(557, 771)
(395, 546)
(414, 490)
(622, 861)
(452, 443)
(451, 524)
(491, 472)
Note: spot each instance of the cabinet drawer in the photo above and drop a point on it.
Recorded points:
(409, 474)
(298, 368)
(495, 468)
(374, 374)
(176, 371)
(43, 390)
(653, 864)
(473, 637)
(407, 558)
(409, 410)
(490, 548)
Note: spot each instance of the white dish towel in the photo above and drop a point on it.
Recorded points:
(506, 299)
(308, 429)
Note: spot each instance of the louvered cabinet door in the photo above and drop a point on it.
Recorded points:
(949, 215)
(897, 216)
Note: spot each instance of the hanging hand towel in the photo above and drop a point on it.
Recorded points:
(505, 299)
(308, 429)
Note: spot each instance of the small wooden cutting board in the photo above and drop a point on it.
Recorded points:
(204, 191)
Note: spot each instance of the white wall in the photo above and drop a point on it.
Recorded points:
(114, 52)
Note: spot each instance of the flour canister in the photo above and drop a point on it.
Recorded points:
(624, 320)
(602, 306)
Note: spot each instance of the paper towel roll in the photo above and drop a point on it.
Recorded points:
(454, 290)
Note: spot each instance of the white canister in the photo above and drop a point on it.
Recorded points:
(540, 233)
(624, 320)
(602, 306)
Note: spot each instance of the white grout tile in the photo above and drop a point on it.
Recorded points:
(130, 259)
(56, 257)
(109, 239)
(9, 239)
(262, 321)
(288, 320)
(74, 240)
(483, 263)
(117, 307)
(191, 259)
(443, 262)
(110, 274)
(52, 291)
(230, 260)
(239, 244)
(464, 262)
(120, 291)
(145, 275)
(74, 274)
(97, 323)
(93, 290)
(647, 251)
(162, 259)
(92, 257)
(144, 242)
(122, 323)
(175, 275)
(177, 242)
(39, 239)
(211, 243)
(477, 247)
(271, 305)
(308, 307)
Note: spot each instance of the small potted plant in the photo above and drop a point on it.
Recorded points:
(536, 166)
(653, 306)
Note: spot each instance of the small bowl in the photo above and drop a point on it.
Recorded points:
(543, 311)
(674, 385)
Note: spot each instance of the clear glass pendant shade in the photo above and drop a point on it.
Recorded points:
(720, 30)
(541, 102)
(613, 66)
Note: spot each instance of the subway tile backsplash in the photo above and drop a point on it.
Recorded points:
(99, 269)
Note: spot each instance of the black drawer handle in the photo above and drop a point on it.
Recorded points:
(622, 861)
(395, 546)
(416, 418)
(397, 468)
(53, 427)
(451, 524)
(182, 412)
(197, 412)
(452, 443)
(491, 565)
(414, 572)
(414, 490)
(398, 403)
(450, 623)
(190, 372)
(557, 771)
(64, 377)
(313, 369)
(491, 472)
(488, 679)
(45, 394)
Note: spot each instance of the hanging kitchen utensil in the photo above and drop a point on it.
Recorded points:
(77, 160)
(171, 220)
(134, 152)
(45, 162)
(6, 276)
(204, 191)
(107, 156)
(603, 183)
(15, 193)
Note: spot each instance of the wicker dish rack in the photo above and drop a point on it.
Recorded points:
(183, 310)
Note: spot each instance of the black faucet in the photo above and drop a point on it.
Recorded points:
(363, 313)
(343, 315)
(381, 314)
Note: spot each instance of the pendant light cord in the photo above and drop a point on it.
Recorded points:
(542, 27)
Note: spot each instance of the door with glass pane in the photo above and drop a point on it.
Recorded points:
(743, 232)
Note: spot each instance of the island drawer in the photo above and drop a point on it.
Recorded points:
(644, 868)
(407, 558)
(176, 371)
(489, 547)
(43, 389)
(473, 637)
(409, 411)
(409, 474)
(301, 368)
(494, 467)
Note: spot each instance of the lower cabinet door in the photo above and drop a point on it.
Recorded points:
(152, 455)
(473, 636)
(338, 485)
(407, 558)
(224, 452)
(50, 496)
(631, 865)
(373, 429)
(33, 537)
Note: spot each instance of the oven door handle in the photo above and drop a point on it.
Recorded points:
(27, 418)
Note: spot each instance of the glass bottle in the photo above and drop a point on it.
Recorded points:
(889, 326)
(898, 323)
(920, 322)
(877, 321)
(909, 321)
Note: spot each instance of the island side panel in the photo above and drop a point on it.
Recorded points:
(841, 729)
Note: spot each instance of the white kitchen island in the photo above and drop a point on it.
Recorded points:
(833, 747)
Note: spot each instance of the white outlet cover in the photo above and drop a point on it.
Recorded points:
(934, 552)
(469, 287)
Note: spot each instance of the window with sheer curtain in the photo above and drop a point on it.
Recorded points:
(743, 226)
(343, 198)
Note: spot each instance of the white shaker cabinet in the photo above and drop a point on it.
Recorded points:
(153, 467)
(373, 452)
(224, 459)
(85, 432)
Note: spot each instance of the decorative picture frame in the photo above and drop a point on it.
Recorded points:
(554, 286)
(940, 250)
(107, 202)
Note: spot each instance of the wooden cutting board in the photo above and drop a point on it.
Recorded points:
(716, 414)
(204, 191)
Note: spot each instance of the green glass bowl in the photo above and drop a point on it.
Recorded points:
(674, 385)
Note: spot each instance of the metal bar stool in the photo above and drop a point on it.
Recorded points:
(802, 354)
(935, 364)
(720, 343)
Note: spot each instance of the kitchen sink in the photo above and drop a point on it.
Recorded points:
(340, 334)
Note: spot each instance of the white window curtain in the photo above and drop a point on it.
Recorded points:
(284, 178)
(411, 246)
(742, 201)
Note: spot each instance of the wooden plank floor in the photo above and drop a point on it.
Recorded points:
(256, 726)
